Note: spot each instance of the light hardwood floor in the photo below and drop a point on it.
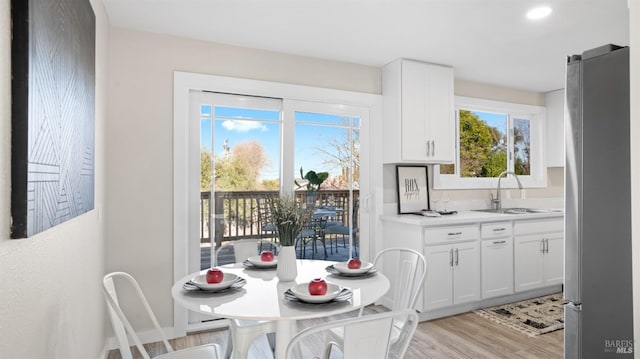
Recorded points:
(467, 336)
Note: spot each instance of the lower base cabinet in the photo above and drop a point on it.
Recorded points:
(538, 260)
(454, 274)
(497, 267)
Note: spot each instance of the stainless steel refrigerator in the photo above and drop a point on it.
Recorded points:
(598, 287)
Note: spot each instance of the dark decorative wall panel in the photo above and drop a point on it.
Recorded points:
(53, 69)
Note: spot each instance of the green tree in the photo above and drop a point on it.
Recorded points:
(483, 151)
(239, 169)
(205, 170)
(476, 142)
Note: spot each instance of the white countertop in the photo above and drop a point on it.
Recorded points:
(465, 217)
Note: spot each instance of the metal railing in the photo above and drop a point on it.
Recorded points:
(236, 213)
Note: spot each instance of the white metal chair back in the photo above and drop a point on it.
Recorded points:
(365, 337)
(122, 326)
(406, 269)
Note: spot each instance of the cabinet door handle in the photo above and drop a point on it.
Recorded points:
(451, 257)
(501, 229)
(542, 243)
(546, 244)
(457, 257)
(500, 242)
(451, 234)
(428, 149)
(433, 147)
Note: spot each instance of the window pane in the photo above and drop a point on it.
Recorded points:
(522, 146)
(483, 143)
(332, 148)
(246, 152)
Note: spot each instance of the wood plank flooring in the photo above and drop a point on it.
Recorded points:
(464, 336)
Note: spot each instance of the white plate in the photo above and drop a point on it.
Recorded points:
(201, 282)
(301, 291)
(256, 261)
(342, 268)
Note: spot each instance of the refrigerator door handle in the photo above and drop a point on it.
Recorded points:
(575, 307)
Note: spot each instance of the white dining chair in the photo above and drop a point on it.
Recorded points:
(406, 270)
(122, 326)
(370, 336)
(242, 333)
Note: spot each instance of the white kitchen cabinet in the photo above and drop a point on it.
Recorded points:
(497, 259)
(554, 102)
(454, 274)
(419, 121)
(538, 254)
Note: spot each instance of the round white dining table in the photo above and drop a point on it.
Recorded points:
(262, 298)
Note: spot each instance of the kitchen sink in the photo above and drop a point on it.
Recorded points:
(517, 210)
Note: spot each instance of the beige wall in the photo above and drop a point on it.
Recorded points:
(140, 138)
(51, 302)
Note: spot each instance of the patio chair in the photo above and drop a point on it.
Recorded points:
(370, 337)
(407, 270)
(338, 228)
(312, 233)
(264, 218)
(242, 333)
(122, 326)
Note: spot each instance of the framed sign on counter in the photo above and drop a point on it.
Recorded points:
(412, 188)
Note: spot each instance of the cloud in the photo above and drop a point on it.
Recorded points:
(243, 126)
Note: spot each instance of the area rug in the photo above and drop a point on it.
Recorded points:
(532, 317)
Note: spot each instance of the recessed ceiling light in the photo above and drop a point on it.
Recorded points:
(539, 12)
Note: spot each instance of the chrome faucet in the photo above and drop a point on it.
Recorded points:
(497, 202)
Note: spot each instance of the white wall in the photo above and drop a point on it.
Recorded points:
(51, 303)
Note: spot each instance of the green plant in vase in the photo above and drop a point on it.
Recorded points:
(312, 185)
(289, 218)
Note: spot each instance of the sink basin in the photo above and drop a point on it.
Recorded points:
(518, 210)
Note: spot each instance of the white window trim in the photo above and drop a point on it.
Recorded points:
(183, 184)
(538, 117)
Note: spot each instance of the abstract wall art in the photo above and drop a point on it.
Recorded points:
(53, 110)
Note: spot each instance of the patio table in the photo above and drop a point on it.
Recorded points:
(262, 298)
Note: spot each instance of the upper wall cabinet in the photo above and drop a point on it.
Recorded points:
(419, 122)
(554, 101)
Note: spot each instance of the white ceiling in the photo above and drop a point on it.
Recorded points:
(487, 41)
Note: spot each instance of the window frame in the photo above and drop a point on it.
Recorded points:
(537, 117)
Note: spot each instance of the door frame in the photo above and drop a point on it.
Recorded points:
(186, 141)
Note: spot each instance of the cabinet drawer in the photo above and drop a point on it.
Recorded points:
(494, 230)
(449, 234)
(539, 226)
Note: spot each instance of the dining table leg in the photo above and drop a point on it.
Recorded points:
(285, 330)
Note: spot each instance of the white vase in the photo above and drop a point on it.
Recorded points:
(287, 269)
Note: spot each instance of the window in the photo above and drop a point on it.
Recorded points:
(494, 137)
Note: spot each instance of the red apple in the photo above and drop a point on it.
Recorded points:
(266, 256)
(354, 263)
(318, 287)
(214, 275)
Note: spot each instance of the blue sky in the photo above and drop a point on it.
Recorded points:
(240, 125)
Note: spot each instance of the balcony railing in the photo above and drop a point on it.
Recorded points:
(236, 213)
